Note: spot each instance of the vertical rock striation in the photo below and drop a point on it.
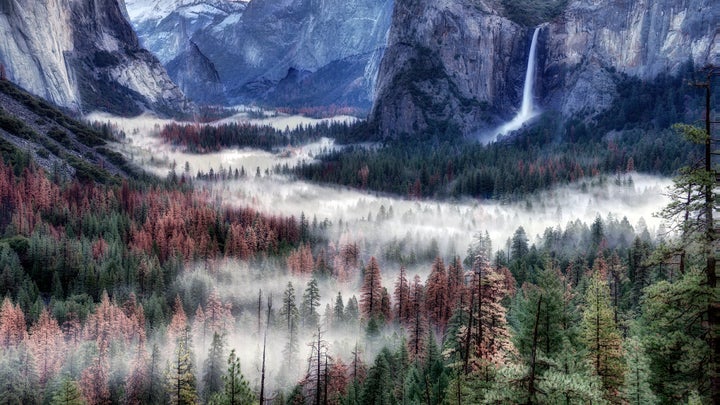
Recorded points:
(447, 67)
(258, 47)
(82, 54)
(457, 65)
(594, 39)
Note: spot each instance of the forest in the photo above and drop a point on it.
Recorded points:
(98, 309)
(131, 289)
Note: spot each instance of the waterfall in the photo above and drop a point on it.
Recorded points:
(526, 108)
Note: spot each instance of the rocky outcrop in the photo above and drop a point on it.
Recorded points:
(458, 65)
(450, 65)
(82, 54)
(195, 74)
(593, 40)
(257, 47)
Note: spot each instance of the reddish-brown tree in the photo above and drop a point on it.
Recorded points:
(300, 261)
(47, 346)
(418, 326)
(136, 380)
(402, 299)
(12, 324)
(436, 296)
(94, 381)
(178, 323)
(109, 323)
(371, 291)
(218, 316)
(338, 381)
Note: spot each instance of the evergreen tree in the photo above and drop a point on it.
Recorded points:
(182, 385)
(338, 312)
(637, 377)
(690, 214)
(403, 315)
(371, 291)
(19, 384)
(137, 379)
(213, 370)
(519, 245)
(601, 335)
(156, 383)
(68, 393)
(289, 313)
(310, 303)
(352, 311)
(675, 336)
(236, 390)
(377, 388)
(436, 296)
(417, 330)
(553, 320)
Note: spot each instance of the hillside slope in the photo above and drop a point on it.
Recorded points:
(33, 129)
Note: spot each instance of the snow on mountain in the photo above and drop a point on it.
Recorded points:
(255, 47)
(155, 10)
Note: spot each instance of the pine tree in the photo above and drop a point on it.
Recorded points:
(310, 303)
(491, 334)
(417, 330)
(371, 291)
(47, 345)
(377, 388)
(338, 312)
(403, 315)
(213, 370)
(338, 381)
(690, 214)
(637, 377)
(12, 324)
(289, 313)
(95, 380)
(552, 321)
(218, 316)
(68, 393)
(352, 311)
(182, 384)
(601, 334)
(385, 306)
(156, 382)
(455, 285)
(436, 296)
(179, 323)
(18, 381)
(137, 380)
(675, 335)
(236, 390)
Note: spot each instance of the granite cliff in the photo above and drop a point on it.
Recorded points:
(458, 65)
(84, 55)
(257, 48)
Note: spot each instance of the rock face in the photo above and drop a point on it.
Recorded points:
(450, 65)
(458, 65)
(195, 74)
(639, 38)
(82, 54)
(259, 47)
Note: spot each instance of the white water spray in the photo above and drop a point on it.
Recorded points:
(526, 108)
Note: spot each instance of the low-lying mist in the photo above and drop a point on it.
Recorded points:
(397, 231)
(374, 219)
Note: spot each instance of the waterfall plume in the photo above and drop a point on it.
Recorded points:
(527, 110)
